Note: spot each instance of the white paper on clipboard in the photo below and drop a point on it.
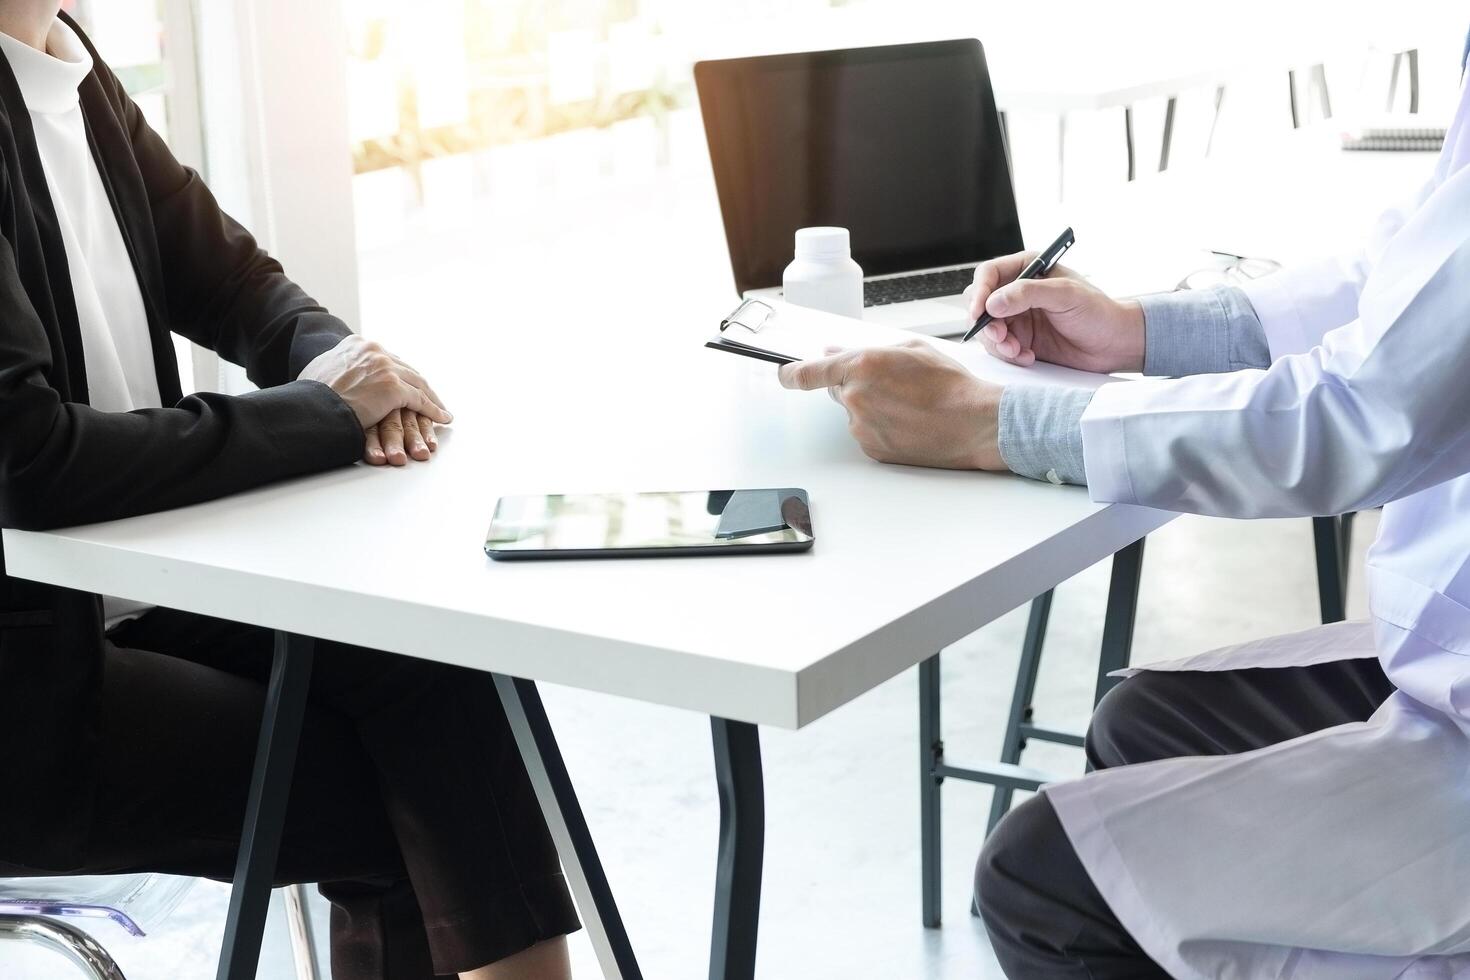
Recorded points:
(796, 333)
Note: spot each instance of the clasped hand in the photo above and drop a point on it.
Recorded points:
(394, 404)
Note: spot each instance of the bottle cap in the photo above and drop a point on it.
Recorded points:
(820, 242)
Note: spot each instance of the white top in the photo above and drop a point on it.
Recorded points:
(114, 326)
(823, 242)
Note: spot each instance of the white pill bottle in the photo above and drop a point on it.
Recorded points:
(823, 275)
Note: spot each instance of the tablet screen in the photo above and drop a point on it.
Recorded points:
(704, 522)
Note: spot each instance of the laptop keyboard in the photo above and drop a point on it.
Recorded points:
(925, 285)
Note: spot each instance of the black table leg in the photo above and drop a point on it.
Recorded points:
(265, 811)
(742, 845)
(931, 756)
(542, 756)
(1117, 641)
(1128, 135)
(1168, 140)
(1413, 54)
(1330, 538)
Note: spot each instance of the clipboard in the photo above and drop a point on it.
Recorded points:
(782, 333)
(749, 318)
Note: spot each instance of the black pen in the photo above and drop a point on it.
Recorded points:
(1035, 269)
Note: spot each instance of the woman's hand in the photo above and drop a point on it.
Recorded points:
(374, 383)
(909, 404)
(394, 404)
(399, 437)
(1062, 319)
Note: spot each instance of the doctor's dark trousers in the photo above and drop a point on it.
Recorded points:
(409, 803)
(1044, 915)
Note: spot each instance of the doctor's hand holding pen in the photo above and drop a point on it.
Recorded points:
(1063, 318)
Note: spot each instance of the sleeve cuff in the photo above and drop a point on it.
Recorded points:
(1322, 286)
(316, 333)
(1106, 455)
(1209, 331)
(312, 421)
(1040, 433)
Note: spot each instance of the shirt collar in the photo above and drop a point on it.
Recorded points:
(49, 79)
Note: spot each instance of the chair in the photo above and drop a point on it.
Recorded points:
(1332, 537)
(32, 910)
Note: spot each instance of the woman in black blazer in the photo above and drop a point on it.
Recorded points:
(131, 749)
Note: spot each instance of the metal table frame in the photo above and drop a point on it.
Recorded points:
(740, 858)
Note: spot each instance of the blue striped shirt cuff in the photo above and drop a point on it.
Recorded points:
(1204, 331)
(1040, 433)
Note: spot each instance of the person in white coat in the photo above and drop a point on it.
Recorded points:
(1298, 806)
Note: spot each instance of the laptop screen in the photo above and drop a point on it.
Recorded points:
(901, 145)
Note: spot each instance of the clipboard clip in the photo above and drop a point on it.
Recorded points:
(752, 314)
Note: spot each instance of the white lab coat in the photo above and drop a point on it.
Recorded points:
(1345, 853)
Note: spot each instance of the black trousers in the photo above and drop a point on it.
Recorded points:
(1043, 913)
(409, 805)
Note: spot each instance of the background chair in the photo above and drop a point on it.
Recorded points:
(33, 910)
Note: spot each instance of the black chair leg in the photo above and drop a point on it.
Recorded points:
(1117, 641)
(1026, 672)
(1332, 539)
(1008, 776)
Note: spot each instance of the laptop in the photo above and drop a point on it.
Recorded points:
(900, 144)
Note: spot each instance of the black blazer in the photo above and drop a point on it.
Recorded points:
(62, 463)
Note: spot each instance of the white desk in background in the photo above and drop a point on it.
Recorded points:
(1095, 64)
(1085, 56)
(1082, 56)
(1291, 198)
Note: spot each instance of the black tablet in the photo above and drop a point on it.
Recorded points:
(641, 525)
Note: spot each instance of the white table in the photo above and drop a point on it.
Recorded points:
(907, 561)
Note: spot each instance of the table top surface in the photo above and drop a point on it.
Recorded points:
(906, 559)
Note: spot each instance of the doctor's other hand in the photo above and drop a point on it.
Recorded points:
(1063, 318)
(375, 384)
(909, 404)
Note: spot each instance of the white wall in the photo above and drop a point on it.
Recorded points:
(273, 98)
